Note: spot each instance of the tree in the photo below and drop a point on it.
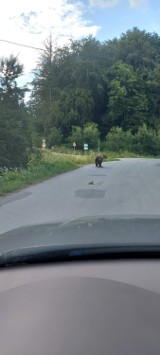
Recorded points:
(55, 137)
(41, 104)
(127, 103)
(115, 83)
(138, 48)
(77, 136)
(75, 109)
(15, 135)
(91, 135)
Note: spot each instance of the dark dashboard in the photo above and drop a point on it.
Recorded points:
(91, 307)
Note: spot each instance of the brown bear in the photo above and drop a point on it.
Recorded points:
(98, 160)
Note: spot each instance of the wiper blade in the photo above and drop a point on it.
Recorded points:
(44, 254)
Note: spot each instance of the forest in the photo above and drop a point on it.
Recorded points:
(85, 91)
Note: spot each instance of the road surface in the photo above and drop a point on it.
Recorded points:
(125, 187)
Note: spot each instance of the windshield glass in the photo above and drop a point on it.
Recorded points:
(79, 123)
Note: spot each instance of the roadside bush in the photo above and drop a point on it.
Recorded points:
(118, 140)
(54, 138)
(146, 141)
(88, 134)
(91, 135)
(35, 155)
(77, 136)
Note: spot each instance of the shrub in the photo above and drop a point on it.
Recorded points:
(77, 136)
(118, 140)
(145, 141)
(54, 138)
(91, 134)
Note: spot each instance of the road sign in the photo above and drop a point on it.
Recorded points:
(43, 143)
(85, 146)
(74, 146)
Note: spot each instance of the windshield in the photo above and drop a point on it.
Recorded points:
(79, 123)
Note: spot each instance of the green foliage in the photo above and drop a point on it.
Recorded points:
(138, 48)
(55, 137)
(15, 135)
(35, 155)
(115, 83)
(77, 136)
(89, 134)
(146, 141)
(127, 103)
(118, 140)
(82, 91)
(75, 107)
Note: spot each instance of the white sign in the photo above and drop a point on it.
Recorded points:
(74, 146)
(43, 143)
(85, 146)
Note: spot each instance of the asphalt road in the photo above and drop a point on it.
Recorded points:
(125, 187)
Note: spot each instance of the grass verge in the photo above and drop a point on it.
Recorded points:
(50, 164)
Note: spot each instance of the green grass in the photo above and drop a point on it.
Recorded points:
(51, 164)
(13, 180)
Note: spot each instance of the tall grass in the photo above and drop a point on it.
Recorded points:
(48, 164)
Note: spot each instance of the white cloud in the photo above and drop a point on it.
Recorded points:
(104, 3)
(30, 22)
(111, 3)
(136, 3)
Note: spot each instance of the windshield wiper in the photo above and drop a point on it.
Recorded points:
(44, 254)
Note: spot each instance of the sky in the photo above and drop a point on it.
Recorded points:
(30, 22)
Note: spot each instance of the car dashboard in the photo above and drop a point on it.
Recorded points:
(81, 307)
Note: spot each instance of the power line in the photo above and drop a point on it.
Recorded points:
(22, 45)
